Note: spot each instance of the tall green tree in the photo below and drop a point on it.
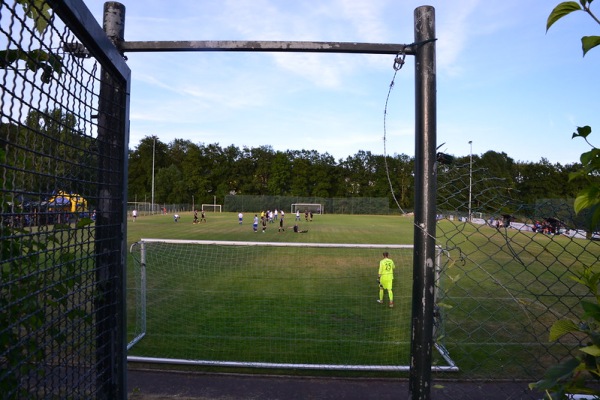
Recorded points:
(539, 180)
(301, 173)
(280, 175)
(140, 167)
(498, 165)
(325, 176)
(170, 186)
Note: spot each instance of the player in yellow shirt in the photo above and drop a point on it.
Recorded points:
(386, 278)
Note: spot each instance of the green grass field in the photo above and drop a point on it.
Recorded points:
(275, 305)
(499, 292)
(324, 229)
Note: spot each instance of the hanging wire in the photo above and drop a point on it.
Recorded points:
(398, 63)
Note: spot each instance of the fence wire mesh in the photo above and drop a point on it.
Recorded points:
(60, 307)
(506, 279)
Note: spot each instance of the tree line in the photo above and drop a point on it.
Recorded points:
(185, 172)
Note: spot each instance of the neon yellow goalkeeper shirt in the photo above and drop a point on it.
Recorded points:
(386, 269)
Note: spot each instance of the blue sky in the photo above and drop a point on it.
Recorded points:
(502, 81)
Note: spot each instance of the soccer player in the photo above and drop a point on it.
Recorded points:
(281, 227)
(240, 218)
(386, 278)
(202, 216)
(264, 223)
(255, 223)
(195, 217)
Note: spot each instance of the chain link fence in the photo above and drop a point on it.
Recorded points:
(506, 276)
(63, 143)
(506, 279)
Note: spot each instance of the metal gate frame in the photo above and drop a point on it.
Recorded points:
(111, 234)
(423, 48)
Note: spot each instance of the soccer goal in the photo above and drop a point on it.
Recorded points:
(302, 207)
(268, 305)
(212, 207)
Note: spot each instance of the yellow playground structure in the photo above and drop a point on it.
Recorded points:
(68, 202)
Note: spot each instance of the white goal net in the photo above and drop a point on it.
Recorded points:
(268, 305)
(308, 207)
(212, 207)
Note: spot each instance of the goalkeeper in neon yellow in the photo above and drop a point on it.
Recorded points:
(386, 278)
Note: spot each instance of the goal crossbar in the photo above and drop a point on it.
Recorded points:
(212, 207)
(279, 244)
(302, 207)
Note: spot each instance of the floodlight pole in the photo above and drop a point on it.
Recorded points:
(425, 205)
(153, 154)
(470, 176)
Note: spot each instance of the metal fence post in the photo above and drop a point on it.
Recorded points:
(111, 220)
(425, 204)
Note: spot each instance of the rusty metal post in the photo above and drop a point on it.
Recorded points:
(114, 21)
(425, 205)
(111, 233)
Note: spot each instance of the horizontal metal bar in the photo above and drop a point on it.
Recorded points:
(277, 244)
(267, 46)
(242, 364)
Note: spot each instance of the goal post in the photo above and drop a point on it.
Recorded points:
(316, 208)
(212, 207)
(269, 305)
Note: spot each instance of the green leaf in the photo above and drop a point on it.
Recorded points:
(556, 373)
(8, 57)
(588, 197)
(582, 131)
(47, 74)
(55, 62)
(561, 328)
(560, 11)
(592, 310)
(39, 11)
(591, 350)
(595, 217)
(589, 42)
(590, 158)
